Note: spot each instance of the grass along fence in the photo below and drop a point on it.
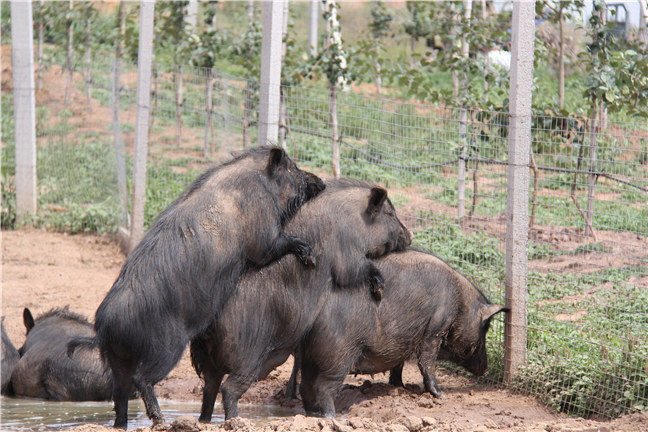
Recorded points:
(588, 261)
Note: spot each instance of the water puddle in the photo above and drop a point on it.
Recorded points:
(38, 415)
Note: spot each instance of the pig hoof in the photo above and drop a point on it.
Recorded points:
(310, 261)
(157, 421)
(438, 394)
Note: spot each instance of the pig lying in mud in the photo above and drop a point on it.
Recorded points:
(274, 308)
(179, 276)
(44, 369)
(428, 311)
(9, 359)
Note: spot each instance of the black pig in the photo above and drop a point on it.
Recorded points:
(44, 369)
(428, 310)
(9, 359)
(274, 308)
(182, 272)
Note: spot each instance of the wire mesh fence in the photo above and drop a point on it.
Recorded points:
(445, 169)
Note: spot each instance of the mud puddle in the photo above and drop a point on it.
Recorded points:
(38, 415)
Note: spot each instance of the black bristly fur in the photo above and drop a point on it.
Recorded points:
(9, 359)
(272, 309)
(45, 370)
(182, 272)
(428, 311)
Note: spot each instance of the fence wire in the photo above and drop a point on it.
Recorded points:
(588, 194)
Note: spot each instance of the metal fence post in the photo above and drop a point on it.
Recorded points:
(313, 16)
(22, 61)
(270, 82)
(517, 232)
(144, 59)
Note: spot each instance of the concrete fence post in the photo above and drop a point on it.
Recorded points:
(22, 62)
(517, 212)
(463, 119)
(270, 82)
(313, 17)
(192, 15)
(144, 60)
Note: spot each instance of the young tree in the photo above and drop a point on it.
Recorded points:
(333, 60)
(246, 52)
(381, 19)
(420, 23)
(558, 12)
(171, 29)
(70, 19)
(206, 48)
(43, 15)
(118, 142)
(88, 13)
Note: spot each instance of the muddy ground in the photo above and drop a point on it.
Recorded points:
(42, 270)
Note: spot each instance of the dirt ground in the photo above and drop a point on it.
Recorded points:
(42, 270)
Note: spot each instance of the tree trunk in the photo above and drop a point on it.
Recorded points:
(88, 61)
(603, 117)
(591, 183)
(118, 141)
(70, 37)
(412, 43)
(250, 12)
(154, 98)
(246, 102)
(209, 131)
(178, 104)
(561, 59)
(534, 199)
(378, 78)
(335, 143)
(41, 31)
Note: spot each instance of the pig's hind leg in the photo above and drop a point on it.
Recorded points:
(426, 363)
(150, 401)
(233, 388)
(213, 379)
(396, 376)
(319, 388)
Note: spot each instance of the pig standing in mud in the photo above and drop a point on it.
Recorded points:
(186, 267)
(428, 310)
(9, 359)
(274, 308)
(44, 369)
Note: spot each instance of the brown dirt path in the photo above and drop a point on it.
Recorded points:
(41, 270)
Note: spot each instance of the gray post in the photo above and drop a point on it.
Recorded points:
(643, 22)
(463, 120)
(192, 15)
(314, 16)
(269, 92)
(144, 59)
(22, 62)
(515, 332)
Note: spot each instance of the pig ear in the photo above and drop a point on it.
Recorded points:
(28, 319)
(376, 201)
(489, 310)
(277, 158)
